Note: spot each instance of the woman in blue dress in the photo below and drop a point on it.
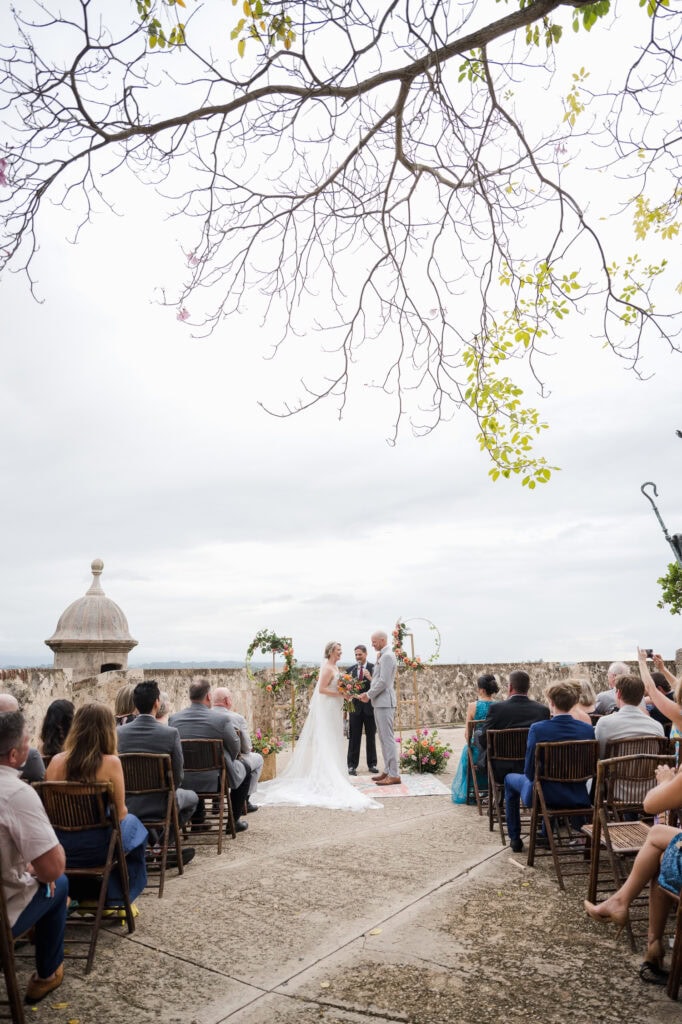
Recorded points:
(476, 712)
(90, 756)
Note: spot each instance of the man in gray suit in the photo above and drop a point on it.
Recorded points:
(144, 735)
(198, 722)
(222, 705)
(382, 695)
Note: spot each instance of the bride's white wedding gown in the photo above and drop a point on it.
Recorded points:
(316, 775)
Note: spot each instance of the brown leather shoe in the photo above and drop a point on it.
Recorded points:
(38, 988)
(390, 780)
(377, 778)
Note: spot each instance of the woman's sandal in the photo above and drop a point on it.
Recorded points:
(652, 974)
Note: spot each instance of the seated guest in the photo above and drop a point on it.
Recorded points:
(669, 707)
(197, 722)
(518, 711)
(33, 769)
(666, 689)
(55, 727)
(145, 735)
(630, 720)
(222, 705)
(163, 714)
(89, 755)
(606, 700)
(659, 865)
(33, 880)
(585, 702)
(562, 726)
(124, 705)
(476, 711)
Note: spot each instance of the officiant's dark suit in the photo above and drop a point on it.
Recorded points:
(362, 718)
(518, 711)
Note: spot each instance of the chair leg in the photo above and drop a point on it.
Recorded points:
(533, 830)
(675, 976)
(14, 999)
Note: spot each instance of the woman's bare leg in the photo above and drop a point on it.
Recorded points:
(660, 903)
(644, 870)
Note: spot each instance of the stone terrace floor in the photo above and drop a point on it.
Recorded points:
(414, 913)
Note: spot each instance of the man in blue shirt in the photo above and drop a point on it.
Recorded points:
(562, 726)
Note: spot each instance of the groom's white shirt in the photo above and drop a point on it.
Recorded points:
(382, 690)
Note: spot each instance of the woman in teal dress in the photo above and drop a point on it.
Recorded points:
(476, 712)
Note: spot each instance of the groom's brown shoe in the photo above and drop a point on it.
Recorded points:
(390, 780)
(378, 778)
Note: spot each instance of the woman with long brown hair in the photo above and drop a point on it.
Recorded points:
(89, 755)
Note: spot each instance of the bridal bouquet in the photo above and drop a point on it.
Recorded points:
(349, 688)
(264, 743)
(424, 752)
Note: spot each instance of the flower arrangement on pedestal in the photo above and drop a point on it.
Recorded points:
(265, 743)
(424, 752)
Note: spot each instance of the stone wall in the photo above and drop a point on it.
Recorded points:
(443, 690)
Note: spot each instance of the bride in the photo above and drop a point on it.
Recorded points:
(317, 775)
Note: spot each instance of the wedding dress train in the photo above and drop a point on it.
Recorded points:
(316, 775)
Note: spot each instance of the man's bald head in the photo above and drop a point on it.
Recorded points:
(8, 703)
(222, 698)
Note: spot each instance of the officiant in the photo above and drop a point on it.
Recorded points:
(362, 717)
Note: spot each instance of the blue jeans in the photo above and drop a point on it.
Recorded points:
(48, 915)
(516, 787)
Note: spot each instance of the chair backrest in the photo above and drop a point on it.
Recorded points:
(566, 761)
(74, 806)
(506, 744)
(203, 755)
(630, 745)
(623, 782)
(147, 773)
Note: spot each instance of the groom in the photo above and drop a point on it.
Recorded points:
(382, 695)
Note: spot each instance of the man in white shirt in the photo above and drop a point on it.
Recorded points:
(630, 719)
(33, 861)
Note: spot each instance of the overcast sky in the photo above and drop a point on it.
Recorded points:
(125, 439)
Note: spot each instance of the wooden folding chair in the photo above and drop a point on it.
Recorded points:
(568, 761)
(11, 1008)
(74, 807)
(474, 792)
(675, 976)
(622, 783)
(207, 757)
(151, 776)
(504, 747)
(630, 745)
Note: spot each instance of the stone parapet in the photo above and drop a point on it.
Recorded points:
(443, 690)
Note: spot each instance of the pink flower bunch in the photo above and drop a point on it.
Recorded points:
(183, 314)
(3, 168)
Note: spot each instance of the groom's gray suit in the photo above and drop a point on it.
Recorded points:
(382, 695)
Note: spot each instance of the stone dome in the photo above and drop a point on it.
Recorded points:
(92, 621)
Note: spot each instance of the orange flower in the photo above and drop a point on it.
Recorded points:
(266, 750)
(268, 688)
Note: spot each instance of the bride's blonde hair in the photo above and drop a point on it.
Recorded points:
(330, 647)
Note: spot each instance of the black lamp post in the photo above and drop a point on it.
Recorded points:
(675, 541)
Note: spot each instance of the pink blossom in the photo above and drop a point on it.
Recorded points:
(425, 732)
(425, 760)
(259, 734)
(192, 259)
(445, 753)
(3, 168)
(183, 314)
